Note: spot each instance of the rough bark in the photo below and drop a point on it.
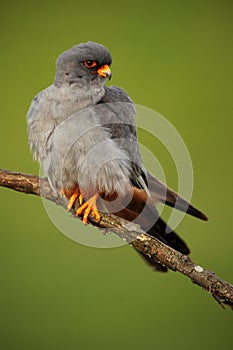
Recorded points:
(149, 246)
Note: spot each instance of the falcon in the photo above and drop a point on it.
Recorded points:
(84, 136)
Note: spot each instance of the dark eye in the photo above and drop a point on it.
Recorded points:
(89, 64)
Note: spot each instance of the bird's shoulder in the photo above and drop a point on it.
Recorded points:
(118, 105)
(115, 94)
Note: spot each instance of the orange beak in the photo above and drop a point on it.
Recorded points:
(105, 71)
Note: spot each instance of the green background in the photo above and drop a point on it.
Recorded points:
(174, 57)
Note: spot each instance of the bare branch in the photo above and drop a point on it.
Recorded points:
(149, 246)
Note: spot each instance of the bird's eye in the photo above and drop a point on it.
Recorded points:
(89, 64)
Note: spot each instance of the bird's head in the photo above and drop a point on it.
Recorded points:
(83, 63)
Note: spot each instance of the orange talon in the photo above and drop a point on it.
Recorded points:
(71, 201)
(89, 207)
(72, 194)
(80, 199)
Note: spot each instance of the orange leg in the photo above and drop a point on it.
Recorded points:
(89, 207)
(72, 200)
(72, 194)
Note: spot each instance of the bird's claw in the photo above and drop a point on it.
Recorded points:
(80, 199)
(89, 207)
(72, 194)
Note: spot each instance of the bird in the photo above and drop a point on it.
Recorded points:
(83, 134)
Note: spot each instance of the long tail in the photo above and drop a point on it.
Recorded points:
(162, 193)
(142, 211)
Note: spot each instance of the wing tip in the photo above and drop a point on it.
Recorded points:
(197, 213)
(204, 217)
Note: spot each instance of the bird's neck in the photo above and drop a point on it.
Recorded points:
(73, 98)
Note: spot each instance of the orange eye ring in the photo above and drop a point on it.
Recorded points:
(90, 63)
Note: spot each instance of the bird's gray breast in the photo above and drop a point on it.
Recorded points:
(50, 108)
(82, 150)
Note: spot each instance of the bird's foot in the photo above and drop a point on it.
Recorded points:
(89, 207)
(72, 194)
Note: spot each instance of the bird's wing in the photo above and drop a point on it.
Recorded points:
(123, 130)
(160, 192)
(127, 130)
(141, 208)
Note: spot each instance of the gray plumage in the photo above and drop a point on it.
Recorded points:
(61, 143)
(83, 133)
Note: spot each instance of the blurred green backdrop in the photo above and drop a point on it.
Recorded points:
(174, 57)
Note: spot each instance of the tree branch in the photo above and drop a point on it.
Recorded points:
(150, 247)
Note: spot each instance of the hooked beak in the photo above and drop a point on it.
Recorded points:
(105, 71)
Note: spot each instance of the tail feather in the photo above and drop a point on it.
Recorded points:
(142, 211)
(162, 193)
